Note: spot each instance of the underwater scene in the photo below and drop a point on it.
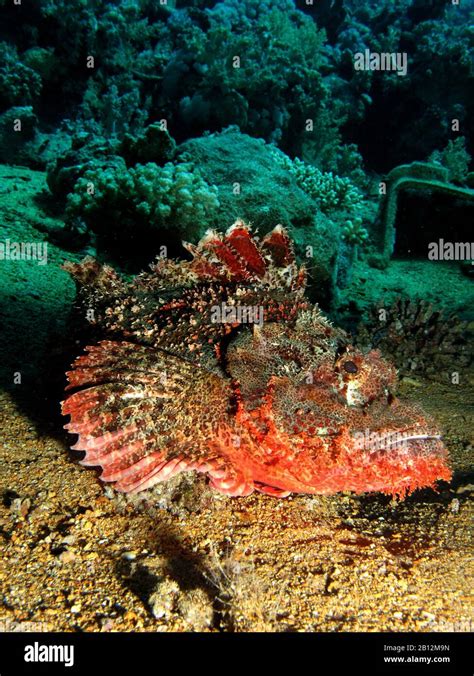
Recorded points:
(236, 315)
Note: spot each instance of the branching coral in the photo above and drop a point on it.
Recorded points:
(146, 196)
(329, 191)
(353, 232)
(342, 159)
(353, 236)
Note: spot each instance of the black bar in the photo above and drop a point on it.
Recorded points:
(153, 653)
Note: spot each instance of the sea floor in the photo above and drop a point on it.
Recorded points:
(75, 556)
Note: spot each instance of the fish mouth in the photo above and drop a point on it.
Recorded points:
(402, 442)
(399, 461)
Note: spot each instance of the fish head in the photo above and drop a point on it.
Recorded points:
(326, 416)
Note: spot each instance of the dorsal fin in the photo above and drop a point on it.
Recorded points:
(240, 256)
(279, 245)
(174, 306)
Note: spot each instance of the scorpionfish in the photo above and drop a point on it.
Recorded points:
(221, 365)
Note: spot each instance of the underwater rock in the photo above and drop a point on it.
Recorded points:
(153, 145)
(251, 183)
(87, 151)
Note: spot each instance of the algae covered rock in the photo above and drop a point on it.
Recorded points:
(251, 185)
(87, 151)
(153, 145)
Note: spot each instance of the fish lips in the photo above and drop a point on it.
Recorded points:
(401, 442)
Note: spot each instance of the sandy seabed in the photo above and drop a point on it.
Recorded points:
(75, 556)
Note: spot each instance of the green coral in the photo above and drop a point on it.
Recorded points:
(250, 57)
(353, 232)
(19, 84)
(145, 196)
(329, 191)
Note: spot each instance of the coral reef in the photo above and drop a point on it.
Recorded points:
(149, 57)
(115, 200)
(88, 150)
(152, 122)
(273, 66)
(235, 176)
(288, 48)
(331, 193)
(438, 39)
(20, 85)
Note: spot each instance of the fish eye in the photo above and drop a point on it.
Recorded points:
(349, 367)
